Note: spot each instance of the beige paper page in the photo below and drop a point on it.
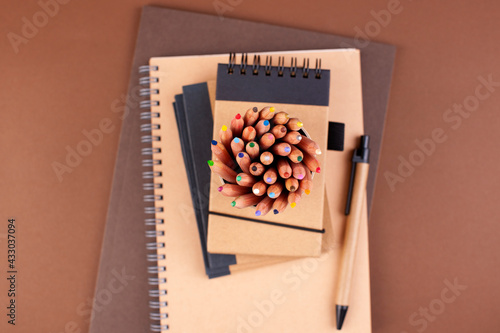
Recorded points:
(295, 296)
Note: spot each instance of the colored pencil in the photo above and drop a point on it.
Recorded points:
(267, 112)
(294, 124)
(306, 185)
(223, 170)
(263, 126)
(237, 125)
(292, 138)
(279, 131)
(275, 190)
(226, 136)
(243, 161)
(246, 200)
(280, 204)
(309, 146)
(221, 153)
(296, 155)
(259, 188)
(281, 118)
(244, 179)
(256, 169)
(251, 116)
(264, 206)
(294, 197)
(237, 145)
(292, 184)
(233, 190)
(284, 168)
(266, 158)
(266, 141)
(298, 170)
(252, 149)
(282, 149)
(270, 175)
(311, 162)
(249, 134)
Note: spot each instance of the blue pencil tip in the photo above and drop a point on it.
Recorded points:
(240, 155)
(266, 122)
(236, 140)
(275, 211)
(268, 180)
(271, 195)
(287, 149)
(258, 213)
(214, 142)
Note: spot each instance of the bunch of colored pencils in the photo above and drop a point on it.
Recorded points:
(264, 160)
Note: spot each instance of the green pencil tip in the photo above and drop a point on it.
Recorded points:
(233, 203)
(238, 178)
(210, 162)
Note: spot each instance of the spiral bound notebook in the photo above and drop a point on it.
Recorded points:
(302, 92)
(228, 303)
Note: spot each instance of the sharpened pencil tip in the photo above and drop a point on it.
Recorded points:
(257, 213)
(292, 188)
(272, 109)
(233, 203)
(308, 192)
(286, 174)
(300, 177)
(214, 142)
(300, 124)
(266, 122)
(318, 151)
(271, 195)
(275, 211)
(251, 144)
(269, 179)
(238, 116)
(224, 128)
(318, 170)
(237, 140)
(220, 188)
(299, 137)
(238, 178)
(256, 191)
(210, 162)
(240, 155)
(287, 149)
(293, 204)
(255, 109)
(299, 158)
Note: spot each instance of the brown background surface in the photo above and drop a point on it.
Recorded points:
(441, 223)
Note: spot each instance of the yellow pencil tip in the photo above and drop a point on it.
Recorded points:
(307, 191)
(293, 204)
(272, 109)
(224, 128)
(300, 124)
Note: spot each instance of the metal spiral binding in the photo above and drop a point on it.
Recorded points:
(282, 69)
(150, 185)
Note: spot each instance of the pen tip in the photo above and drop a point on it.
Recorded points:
(341, 312)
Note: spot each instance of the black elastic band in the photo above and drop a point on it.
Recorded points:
(322, 231)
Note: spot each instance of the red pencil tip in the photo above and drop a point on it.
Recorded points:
(286, 174)
(238, 116)
(250, 128)
(318, 170)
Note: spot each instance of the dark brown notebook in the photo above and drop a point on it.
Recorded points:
(163, 32)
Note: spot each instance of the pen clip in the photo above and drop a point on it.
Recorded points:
(360, 155)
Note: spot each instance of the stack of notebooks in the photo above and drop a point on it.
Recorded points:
(212, 267)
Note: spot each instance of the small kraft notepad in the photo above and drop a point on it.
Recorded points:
(303, 93)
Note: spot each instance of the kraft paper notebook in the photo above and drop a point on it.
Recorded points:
(180, 272)
(303, 93)
(162, 32)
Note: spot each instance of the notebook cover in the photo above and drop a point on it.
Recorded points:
(163, 32)
(234, 230)
(220, 302)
